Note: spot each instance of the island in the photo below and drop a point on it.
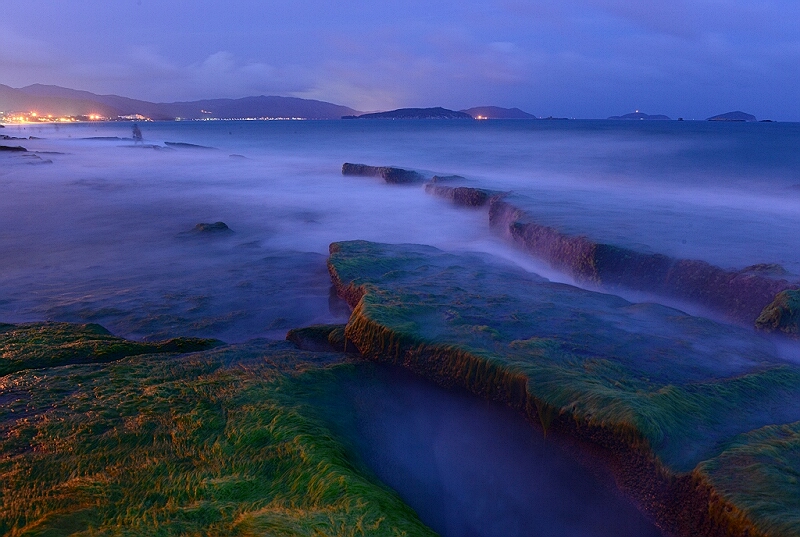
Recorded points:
(414, 113)
(496, 112)
(733, 116)
(641, 115)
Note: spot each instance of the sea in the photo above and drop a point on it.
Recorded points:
(97, 228)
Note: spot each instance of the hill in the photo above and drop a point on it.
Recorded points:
(641, 115)
(415, 113)
(496, 112)
(60, 101)
(733, 116)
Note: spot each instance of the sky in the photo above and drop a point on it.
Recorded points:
(568, 58)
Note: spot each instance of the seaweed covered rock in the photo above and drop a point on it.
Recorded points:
(782, 314)
(387, 173)
(220, 442)
(320, 337)
(35, 345)
(738, 295)
(659, 391)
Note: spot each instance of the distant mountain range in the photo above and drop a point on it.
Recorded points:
(59, 101)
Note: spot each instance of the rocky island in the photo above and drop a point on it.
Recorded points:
(414, 113)
(641, 115)
(733, 116)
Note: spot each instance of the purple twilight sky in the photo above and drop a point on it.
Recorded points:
(576, 58)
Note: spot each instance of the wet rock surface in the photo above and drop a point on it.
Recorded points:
(661, 391)
(740, 296)
(389, 174)
(219, 442)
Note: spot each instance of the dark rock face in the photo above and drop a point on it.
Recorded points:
(739, 295)
(782, 314)
(18, 148)
(216, 227)
(389, 174)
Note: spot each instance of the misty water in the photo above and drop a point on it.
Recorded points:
(470, 467)
(94, 228)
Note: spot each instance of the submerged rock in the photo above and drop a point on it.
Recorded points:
(216, 227)
(657, 391)
(389, 174)
(184, 145)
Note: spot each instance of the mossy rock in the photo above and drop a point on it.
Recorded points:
(782, 315)
(220, 442)
(34, 345)
(640, 380)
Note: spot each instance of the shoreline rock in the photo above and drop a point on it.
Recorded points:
(741, 296)
(468, 325)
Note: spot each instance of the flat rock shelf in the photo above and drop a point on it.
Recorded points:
(698, 420)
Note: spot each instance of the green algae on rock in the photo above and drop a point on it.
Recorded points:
(219, 442)
(782, 314)
(661, 391)
(738, 295)
(33, 345)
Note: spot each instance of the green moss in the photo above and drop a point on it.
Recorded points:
(222, 442)
(28, 346)
(782, 314)
(761, 470)
(677, 386)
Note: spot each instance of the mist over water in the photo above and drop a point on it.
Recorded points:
(471, 468)
(101, 230)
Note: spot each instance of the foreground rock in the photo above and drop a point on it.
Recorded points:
(389, 174)
(15, 149)
(690, 414)
(37, 345)
(220, 442)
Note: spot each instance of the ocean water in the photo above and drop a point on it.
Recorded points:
(94, 228)
(97, 229)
